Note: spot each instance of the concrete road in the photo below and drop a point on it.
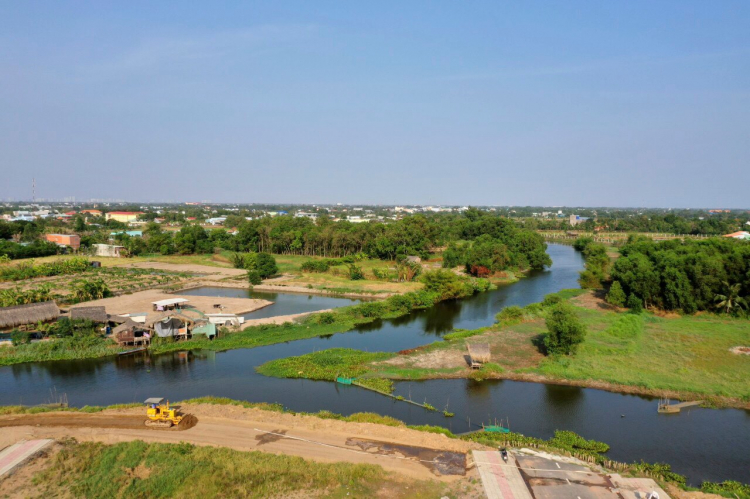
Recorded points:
(552, 479)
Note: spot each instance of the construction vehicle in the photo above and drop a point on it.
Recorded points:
(159, 414)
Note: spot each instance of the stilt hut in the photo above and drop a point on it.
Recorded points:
(479, 353)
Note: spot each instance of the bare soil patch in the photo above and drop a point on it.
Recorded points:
(83, 420)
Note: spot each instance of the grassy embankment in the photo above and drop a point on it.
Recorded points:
(140, 469)
(681, 356)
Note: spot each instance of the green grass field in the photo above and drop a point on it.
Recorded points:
(686, 354)
(140, 469)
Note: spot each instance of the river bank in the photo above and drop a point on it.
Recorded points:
(686, 358)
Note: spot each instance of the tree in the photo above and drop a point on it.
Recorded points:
(730, 300)
(616, 295)
(265, 264)
(564, 330)
(79, 225)
(635, 304)
(254, 277)
(86, 290)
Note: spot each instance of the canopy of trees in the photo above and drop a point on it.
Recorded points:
(684, 275)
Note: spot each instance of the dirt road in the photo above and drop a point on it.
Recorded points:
(397, 449)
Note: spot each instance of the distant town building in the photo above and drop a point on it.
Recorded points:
(69, 240)
(739, 235)
(124, 216)
(302, 214)
(93, 213)
(575, 220)
(108, 250)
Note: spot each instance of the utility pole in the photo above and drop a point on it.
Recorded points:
(33, 189)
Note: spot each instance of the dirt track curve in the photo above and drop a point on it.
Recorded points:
(412, 453)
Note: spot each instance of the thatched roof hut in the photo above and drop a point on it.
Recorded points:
(96, 314)
(21, 315)
(479, 353)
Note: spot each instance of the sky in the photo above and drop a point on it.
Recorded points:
(577, 103)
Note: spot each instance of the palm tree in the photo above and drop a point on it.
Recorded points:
(731, 298)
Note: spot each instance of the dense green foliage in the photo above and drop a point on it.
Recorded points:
(597, 262)
(17, 296)
(261, 263)
(89, 289)
(564, 330)
(36, 249)
(616, 296)
(503, 248)
(683, 275)
(29, 270)
(72, 339)
(324, 365)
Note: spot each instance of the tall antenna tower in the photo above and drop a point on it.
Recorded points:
(33, 189)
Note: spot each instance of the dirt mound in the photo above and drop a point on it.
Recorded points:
(187, 422)
(741, 350)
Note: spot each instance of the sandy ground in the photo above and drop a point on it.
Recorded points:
(142, 302)
(312, 291)
(207, 272)
(252, 429)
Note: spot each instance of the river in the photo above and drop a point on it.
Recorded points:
(704, 444)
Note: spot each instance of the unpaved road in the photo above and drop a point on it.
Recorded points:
(397, 449)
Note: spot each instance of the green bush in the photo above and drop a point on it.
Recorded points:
(635, 304)
(551, 299)
(19, 337)
(316, 266)
(381, 274)
(356, 273)
(564, 330)
(254, 277)
(324, 318)
(510, 315)
(616, 295)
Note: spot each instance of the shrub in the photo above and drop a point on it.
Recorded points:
(565, 330)
(510, 315)
(581, 243)
(265, 264)
(635, 304)
(19, 337)
(616, 295)
(381, 274)
(551, 299)
(254, 277)
(315, 266)
(324, 318)
(356, 273)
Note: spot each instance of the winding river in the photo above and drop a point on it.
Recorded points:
(704, 444)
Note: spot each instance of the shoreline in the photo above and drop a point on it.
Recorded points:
(715, 401)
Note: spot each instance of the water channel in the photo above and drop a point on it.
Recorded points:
(704, 444)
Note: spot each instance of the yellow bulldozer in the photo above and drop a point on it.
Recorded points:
(159, 414)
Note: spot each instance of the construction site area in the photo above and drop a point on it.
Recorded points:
(28, 442)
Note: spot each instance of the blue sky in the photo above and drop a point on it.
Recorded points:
(635, 103)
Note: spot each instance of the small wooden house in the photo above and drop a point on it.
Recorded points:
(26, 317)
(479, 353)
